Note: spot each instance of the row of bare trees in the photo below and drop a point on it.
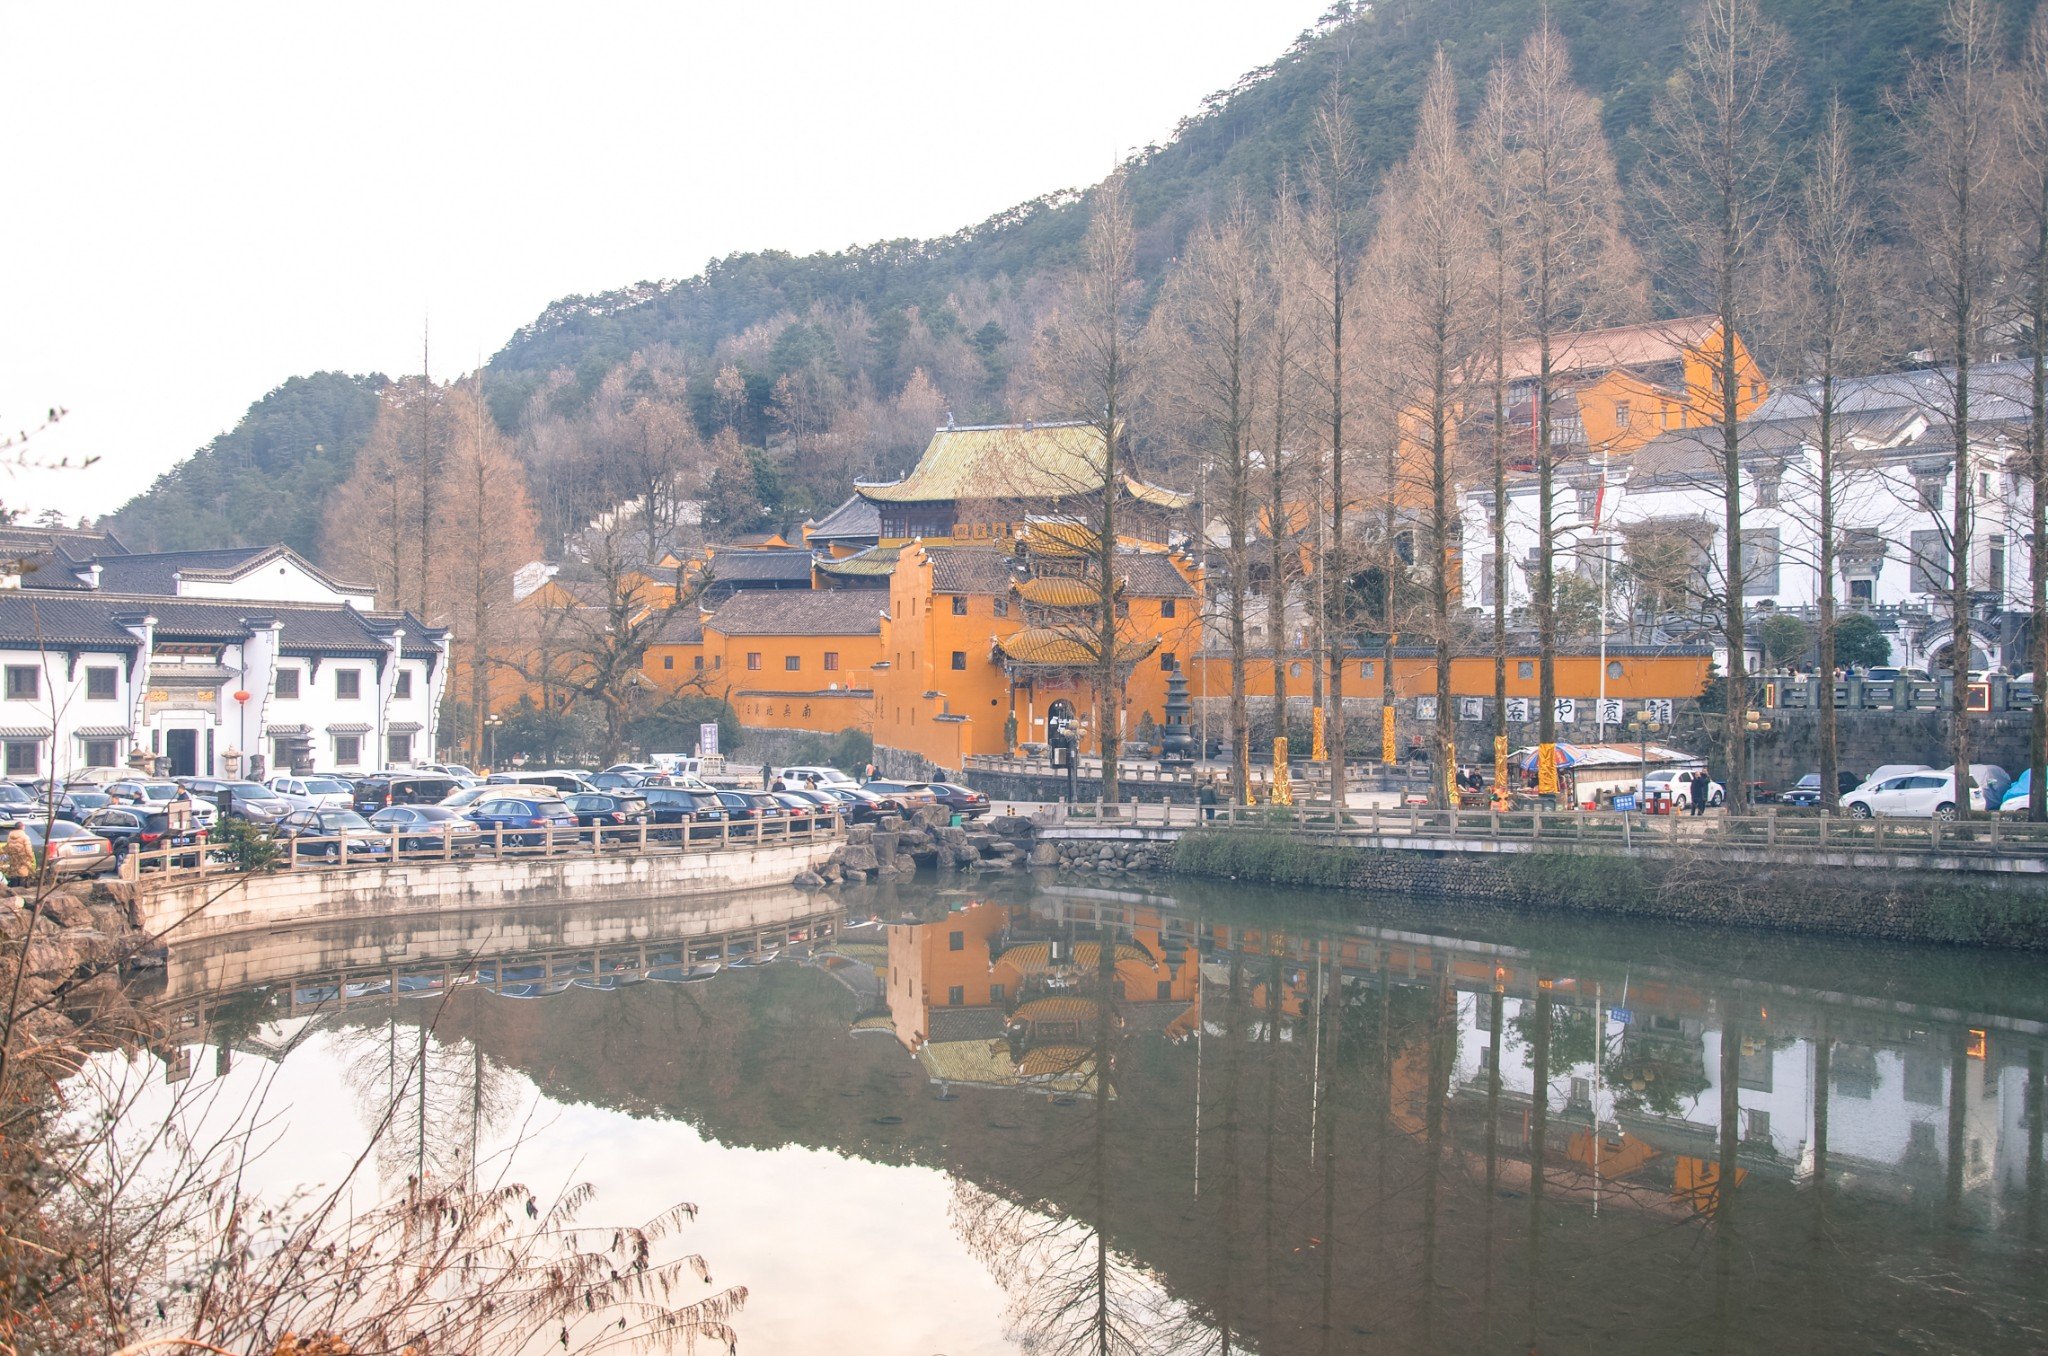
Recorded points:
(1344, 358)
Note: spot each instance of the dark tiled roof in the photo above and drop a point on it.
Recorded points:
(1148, 574)
(78, 543)
(829, 612)
(88, 618)
(752, 565)
(157, 573)
(969, 569)
(683, 626)
(60, 619)
(855, 518)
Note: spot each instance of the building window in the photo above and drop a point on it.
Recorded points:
(1930, 493)
(1614, 668)
(697, 661)
(398, 749)
(1367, 669)
(956, 941)
(102, 752)
(1767, 480)
(1487, 592)
(753, 659)
(348, 750)
(1995, 580)
(1166, 607)
(791, 663)
(348, 684)
(100, 684)
(1621, 413)
(286, 684)
(1862, 591)
(1929, 559)
(1165, 989)
(959, 604)
(960, 659)
(24, 758)
(831, 661)
(1002, 607)
(403, 688)
(668, 661)
(997, 992)
(956, 995)
(24, 682)
(1167, 663)
(1525, 668)
(1760, 560)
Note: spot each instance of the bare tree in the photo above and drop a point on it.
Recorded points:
(1328, 277)
(1284, 351)
(381, 524)
(2030, 162)
(1427, 266)
(1716, 184)
(1822, 328)
(1574, 269)
(1207, 332)
(1954, 207)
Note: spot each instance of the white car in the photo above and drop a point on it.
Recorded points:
(151, 794)
(799, 778)
(1926, 794)
(1675, 785)
(314, 793)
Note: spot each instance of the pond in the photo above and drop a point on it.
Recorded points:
(1066, 1117)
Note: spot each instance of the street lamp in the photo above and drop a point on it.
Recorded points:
(490, 742)
(1641, 723)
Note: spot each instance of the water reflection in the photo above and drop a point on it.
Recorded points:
(1175, 1124)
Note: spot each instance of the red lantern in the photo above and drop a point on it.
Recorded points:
(241, 696)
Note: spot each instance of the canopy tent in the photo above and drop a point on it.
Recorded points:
(1605, 756)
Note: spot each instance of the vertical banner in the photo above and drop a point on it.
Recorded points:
(1283, 792)
(1503, 791)
(707, 739)
(1387, 735)
(1447, 768)
(1546, 769)
(1318, 750)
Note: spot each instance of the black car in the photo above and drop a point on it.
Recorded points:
(78, 802)
(1807, 792)
(132, 829)
(751, 811)
(333, 834)
(617, 815)
(961, 800)
(403, 788)
(679, 813)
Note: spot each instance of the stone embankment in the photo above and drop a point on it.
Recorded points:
(898, 846)
(69, 950)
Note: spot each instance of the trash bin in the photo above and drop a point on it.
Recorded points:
(956, 819)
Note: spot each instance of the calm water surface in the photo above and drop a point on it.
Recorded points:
(1092, 1119)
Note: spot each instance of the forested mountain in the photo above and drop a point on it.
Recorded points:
(796, 375)
(266, 480)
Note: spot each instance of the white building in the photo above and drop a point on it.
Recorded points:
(1661, 509)
(221, 662)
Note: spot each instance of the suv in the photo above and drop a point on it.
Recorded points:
(331, 833)
(1676, 786)
(1917, 795)
(313, 793)
(616, 815)
(403, 788)
(133, 828)
(808, 778)
(675, 805)
(240, 800)
(150, 794)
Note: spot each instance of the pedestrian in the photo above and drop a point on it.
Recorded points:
(21, 853)
(1699, 794)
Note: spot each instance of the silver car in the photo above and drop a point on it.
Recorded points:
(313, 793)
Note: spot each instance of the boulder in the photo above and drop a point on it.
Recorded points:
(860, 857)
(808, 880)
(111, 919)
(963, 855)
(981, 842)
(906, 865)
(1010, 826)
(955, 837)
(887, 844)
(45, 958)
(1045, 854)
(66, 910)
(860, 833)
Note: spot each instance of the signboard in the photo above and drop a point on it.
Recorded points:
(707, 739)
(1659, 709)
(1425, 708)
(1610, 710)
(1625, 801)
(1518, 710)
(1622, 1015)
(1472, 708)
(1567, 710)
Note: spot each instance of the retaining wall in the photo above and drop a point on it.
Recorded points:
(215, 904)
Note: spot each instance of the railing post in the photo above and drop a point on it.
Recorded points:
(643, 838)
(291, 860)
(1771, 832)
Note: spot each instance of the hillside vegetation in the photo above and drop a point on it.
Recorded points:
(821, 369)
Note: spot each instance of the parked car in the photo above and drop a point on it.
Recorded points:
(156, 794)
(681, 813)
(428, 828)
(314, 793)
(15, 800)
(347, 834)
(403, 788)
(858, 804)
(615, 815)
(964, 801)
(564, 782)
(809, 778)
(77, 802)
(617, 781)
(1675, 785)
(135, 828)
(1806, 791)
(909, 795)
(750, 811)
(1884, 772)
(1926, 794)
(63, 848)
(471, 796)
(243, 800)
(537, 814)
(460, 773)
(804, 812)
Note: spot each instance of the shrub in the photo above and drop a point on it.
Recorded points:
(246, 847)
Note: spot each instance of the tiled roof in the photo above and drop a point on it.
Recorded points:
(157, 572)
(1059, 591)
(969, 569)
(877, 562)
(855, 518)
(78, 543)
(732, 565)
(681, 626)
(1599, 351)
(1013, 461)
(776, 612)
(58, 619)
(74, 618)
(1150, 574)
(1065, 647)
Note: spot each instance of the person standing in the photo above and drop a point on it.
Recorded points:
(1699, 794)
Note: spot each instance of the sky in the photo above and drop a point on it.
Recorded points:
(210, 198)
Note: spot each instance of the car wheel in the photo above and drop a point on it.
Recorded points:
(1715, 799)
(1945, 813)
(1859, 811)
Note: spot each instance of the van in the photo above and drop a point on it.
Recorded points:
(404, 788)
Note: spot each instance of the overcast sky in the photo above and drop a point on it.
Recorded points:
(210, 198)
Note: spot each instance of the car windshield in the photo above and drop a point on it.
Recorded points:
(345, 819)
(10, 794)
(325, 786)
(249, 789)
(590, 802)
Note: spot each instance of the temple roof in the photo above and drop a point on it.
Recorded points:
(1014, 461)
(1623, 346)
(794, 612)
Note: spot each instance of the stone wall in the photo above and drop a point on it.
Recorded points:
(1865, 740)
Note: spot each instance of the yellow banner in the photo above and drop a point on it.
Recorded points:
(1546, 769)
(1387, 735)
(1283, 792)
(1503, 792)
(1318, 749)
